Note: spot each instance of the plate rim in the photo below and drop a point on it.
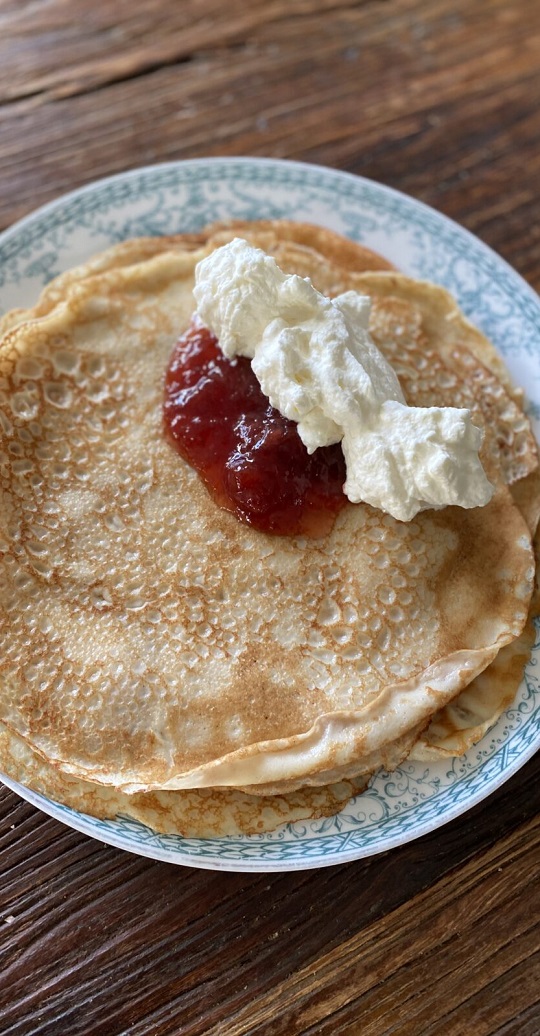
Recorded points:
(231, 160)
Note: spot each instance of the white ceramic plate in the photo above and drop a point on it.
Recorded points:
(184, 196)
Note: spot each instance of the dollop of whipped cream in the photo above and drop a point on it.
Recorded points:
(316, 362)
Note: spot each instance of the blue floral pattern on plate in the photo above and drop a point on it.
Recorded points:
(184, 196)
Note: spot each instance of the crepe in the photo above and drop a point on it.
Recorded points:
(141, 652)
(468, 717)
(465, 720)
(199, 813)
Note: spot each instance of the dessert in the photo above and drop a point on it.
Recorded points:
(155, 645)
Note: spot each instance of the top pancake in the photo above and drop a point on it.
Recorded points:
(151, 641)
(196, 813)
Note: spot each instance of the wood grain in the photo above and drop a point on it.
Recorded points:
(428, 934)
(441, 100)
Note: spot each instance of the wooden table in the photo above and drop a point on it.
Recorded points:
(441, 100)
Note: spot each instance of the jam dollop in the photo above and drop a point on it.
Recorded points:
(249, 456)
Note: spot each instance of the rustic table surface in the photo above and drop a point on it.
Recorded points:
(441, 100)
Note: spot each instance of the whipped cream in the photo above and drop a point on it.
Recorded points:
(316, 362)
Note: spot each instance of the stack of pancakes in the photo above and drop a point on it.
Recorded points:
(162, 660)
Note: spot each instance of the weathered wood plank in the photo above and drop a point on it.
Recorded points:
(444, 104)
(150, 943)
(449, 942)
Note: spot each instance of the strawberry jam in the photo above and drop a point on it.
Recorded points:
(249, 456)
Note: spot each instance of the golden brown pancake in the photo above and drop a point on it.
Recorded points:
(92, 477)
(464, 721)
(199, 813)
(140, 653)
(430, 345)
(444, 321)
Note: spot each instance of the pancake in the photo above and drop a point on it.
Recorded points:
(142, 654)
(199, 813)
(465, 720)
(443, 319)
(526, 496)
